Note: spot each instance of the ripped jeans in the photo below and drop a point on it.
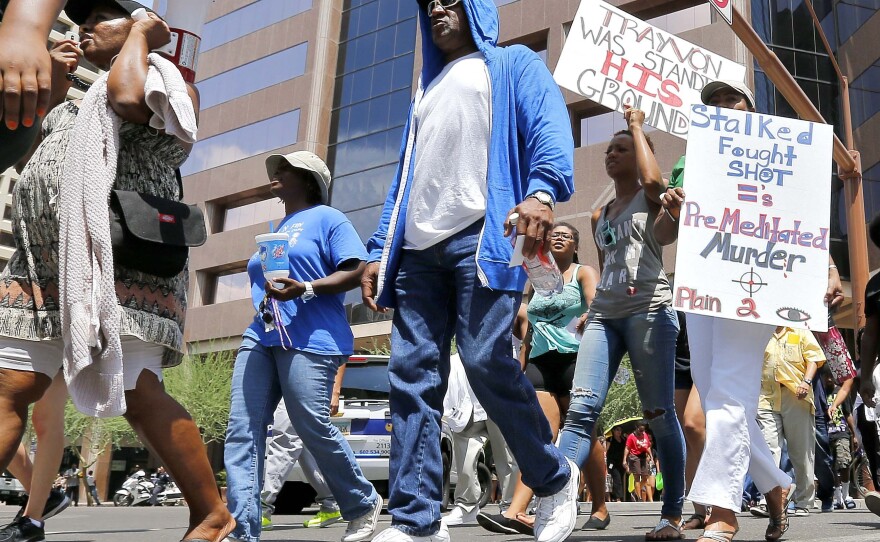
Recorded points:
(649, 338)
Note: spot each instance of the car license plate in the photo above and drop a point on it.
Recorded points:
(344, 426)
(372, 448)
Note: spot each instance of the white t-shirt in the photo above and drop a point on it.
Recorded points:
(448, 191)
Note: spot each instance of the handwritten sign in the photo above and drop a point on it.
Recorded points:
(724, 8)
(615, 59)
(753, 232)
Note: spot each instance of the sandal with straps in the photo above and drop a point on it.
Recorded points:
(664, 523)
(718, 536)
(777, 527)
(696, 521)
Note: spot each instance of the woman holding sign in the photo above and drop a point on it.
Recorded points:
(631, 313)
(295, 345)
(726, 361)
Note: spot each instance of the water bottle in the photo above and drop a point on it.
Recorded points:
(542, 270)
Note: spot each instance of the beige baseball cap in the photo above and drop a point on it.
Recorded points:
(715, 86)
(308, 161)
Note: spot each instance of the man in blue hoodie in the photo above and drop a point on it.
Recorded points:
(488, 135)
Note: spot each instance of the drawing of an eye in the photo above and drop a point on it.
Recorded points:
(792, 314)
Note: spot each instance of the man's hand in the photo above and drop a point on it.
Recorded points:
(292, 289)
(535, 223)
(334, 403)
(154, 29)
(802, 390)
(25, 76)
(867, 391)
(369, 286)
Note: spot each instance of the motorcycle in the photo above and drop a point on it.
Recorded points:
(134, 492)
(170, 496)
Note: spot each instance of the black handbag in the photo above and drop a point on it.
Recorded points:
(153, 234)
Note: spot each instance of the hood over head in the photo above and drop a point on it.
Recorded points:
(482, 18)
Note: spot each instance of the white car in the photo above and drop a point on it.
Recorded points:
(365, 420)
(11, 490)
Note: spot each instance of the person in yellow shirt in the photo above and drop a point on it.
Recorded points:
(785, 406)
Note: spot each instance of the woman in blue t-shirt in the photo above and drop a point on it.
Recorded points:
(298, 340)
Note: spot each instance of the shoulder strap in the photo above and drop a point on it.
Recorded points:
(179, 183)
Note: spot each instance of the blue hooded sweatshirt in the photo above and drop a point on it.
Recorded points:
(530, 149)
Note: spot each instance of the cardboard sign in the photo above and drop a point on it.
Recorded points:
(754, 229)
(724, 8)
(615, 59)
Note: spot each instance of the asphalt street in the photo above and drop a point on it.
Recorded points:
(629, 523)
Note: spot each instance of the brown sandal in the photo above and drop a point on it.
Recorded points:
(696, 521)
(777, 527)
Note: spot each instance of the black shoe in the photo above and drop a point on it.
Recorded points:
(22, 530)
(55, 504)
(498, 523)
(596, 524)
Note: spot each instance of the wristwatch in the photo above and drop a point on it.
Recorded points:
(543, 197)
(309, 293)
(808, 381)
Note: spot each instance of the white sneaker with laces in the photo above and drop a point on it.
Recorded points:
(394, 535)
(557, 514)
(362, 528)
(460, 516)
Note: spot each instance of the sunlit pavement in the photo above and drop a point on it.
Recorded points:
(628, 524)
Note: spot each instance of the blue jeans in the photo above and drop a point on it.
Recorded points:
(439, 295)
(262, 375)
(650, 340)
(824, 461)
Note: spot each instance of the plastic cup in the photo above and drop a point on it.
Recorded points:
(272, 248)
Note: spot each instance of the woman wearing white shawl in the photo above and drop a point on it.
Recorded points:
(60, 296)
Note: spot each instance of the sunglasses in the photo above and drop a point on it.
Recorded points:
(561, 235)
(444, 4)
(608, 235)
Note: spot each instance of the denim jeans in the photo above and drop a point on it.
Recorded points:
(439, 295)
(649, 338)
(824, 461)
(262, 375)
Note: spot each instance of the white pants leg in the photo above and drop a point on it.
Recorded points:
(726, 361)
(468, 444)
(283, 449)
(505, 465)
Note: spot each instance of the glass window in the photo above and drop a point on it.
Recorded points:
(249, 19)
(865, 95)
(253, 213)
(7, 212)
(231, 287)
(363, 189)
(259, 74)
(250, 140)
(852, 14)
(6, 239)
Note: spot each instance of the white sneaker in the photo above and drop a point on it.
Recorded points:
(394, 535)
(363, 527)
(557, 514)
(460, 516)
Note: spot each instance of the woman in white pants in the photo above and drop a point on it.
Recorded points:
(726, 361)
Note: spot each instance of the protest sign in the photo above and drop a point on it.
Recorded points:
(615, 59)
(753, 231)
(724, 8)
